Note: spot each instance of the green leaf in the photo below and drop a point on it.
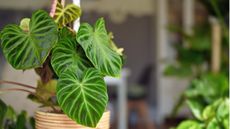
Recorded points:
(196, 108)
(21, 120)
(113, 46)
(96, 44)
(32, 122)
(213, 124)
(179, 71)
(189, 124)
(25, 24)
(11, 114)
(65, 15)
(47, 90)
(68, 54)
(209, 112)
(44, 93)
(201, 38)
(209, 88)
(3, 110)
(222, 112)
(82, 98)
(29, 49)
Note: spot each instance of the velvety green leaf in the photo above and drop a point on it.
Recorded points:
(96, 44)
(189, 124)
(29, 49)
(3, 109)
(65, 15)
(82, 98)
(68, 54)
(196, 108)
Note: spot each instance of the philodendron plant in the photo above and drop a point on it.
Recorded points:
(80, 60)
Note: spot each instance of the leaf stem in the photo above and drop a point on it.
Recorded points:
(16, 89)
(18, 84)
(30, 92)
(53, 8)
(63, 3)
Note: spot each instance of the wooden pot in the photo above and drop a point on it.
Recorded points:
(47, 120)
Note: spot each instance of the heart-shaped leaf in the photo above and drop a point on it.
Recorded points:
(96, 44)
(65, 15)
(29, 49)
(68, 54)
(83, 99)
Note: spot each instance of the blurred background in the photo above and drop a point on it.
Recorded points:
(167, 43)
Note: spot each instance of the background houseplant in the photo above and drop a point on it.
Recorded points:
(12, 120)
(79, 60)
(207, 95)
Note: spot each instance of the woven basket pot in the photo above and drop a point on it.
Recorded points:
(47, 120)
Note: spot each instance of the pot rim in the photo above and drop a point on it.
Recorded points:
(46, 111)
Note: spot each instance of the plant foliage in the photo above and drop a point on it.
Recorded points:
(26, 49)
(79, 59)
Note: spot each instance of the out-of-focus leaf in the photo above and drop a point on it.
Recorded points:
(223, 109)
(179, 71)
(3, 110)
(221, 5)
(196, 108)
(178, 29)
(200, 40)
(213, 124)
(210, 87)
(21, 120)
(222, 113)
(32, 122)
(11, 114)
(189, 124)
(209, 112)
(189, 57)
